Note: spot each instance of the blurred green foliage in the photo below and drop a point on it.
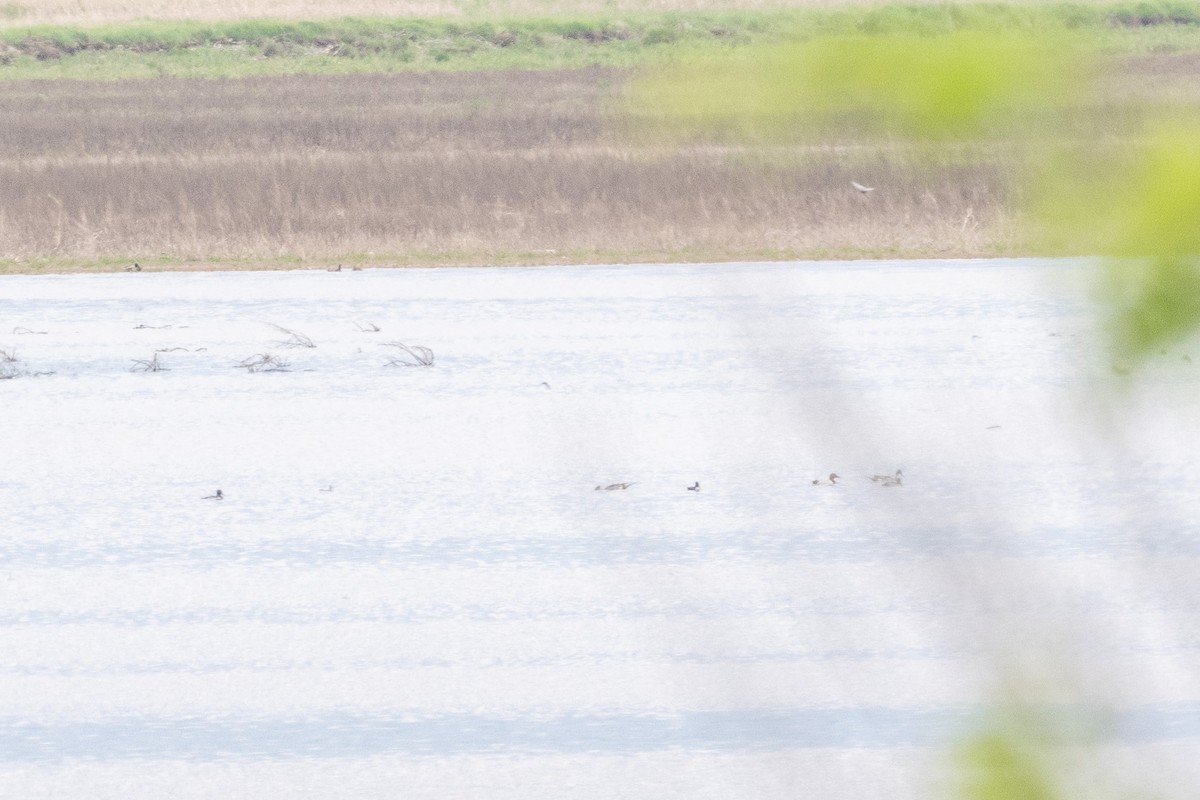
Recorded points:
(1135, 201)
(1002, 764)
(962, 85)
(1138, 205)
(1154, 283)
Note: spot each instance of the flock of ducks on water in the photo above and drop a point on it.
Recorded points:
(896, 479)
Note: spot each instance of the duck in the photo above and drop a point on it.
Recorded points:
(833, 479)
(695, 487)
(889, 480)
(614, 487)
(218, 496)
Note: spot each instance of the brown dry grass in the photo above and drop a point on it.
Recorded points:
(486, 167)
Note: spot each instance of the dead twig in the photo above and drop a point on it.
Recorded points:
(295, 338)
(151, 364)
(264, 362)
(10, 370)
(413, 355)
(27, 330)
(370, 327)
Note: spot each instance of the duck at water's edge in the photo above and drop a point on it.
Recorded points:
(890, 480)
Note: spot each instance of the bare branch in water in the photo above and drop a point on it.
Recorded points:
(264, 362)
(295, 338)
(413, 355)
(151, 364)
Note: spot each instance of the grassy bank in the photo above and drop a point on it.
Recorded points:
(255, 46)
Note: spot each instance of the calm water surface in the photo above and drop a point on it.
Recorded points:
(412, 588)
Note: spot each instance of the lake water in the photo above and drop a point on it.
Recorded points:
(413, 589)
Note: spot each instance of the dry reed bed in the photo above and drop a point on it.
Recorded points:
(437, 167)
(320, 209)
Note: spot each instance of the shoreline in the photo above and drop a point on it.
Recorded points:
(516, 260)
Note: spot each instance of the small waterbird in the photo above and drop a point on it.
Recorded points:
(614, 487)
(833, 479)
(134, 267)
(218, 496)
(328, 488)
(862, 189)
(889, 480)
(695, 487)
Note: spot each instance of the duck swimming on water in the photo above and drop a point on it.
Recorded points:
(833, 479)
(218, 496)
(889, 480)
(614, 487)
(695, 487)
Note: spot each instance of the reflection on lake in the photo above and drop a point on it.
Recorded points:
(412, 587)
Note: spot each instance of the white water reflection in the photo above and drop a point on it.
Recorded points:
(411, 569)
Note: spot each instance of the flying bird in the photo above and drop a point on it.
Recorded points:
(861, 188)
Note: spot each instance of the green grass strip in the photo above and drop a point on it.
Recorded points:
(265, 46)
